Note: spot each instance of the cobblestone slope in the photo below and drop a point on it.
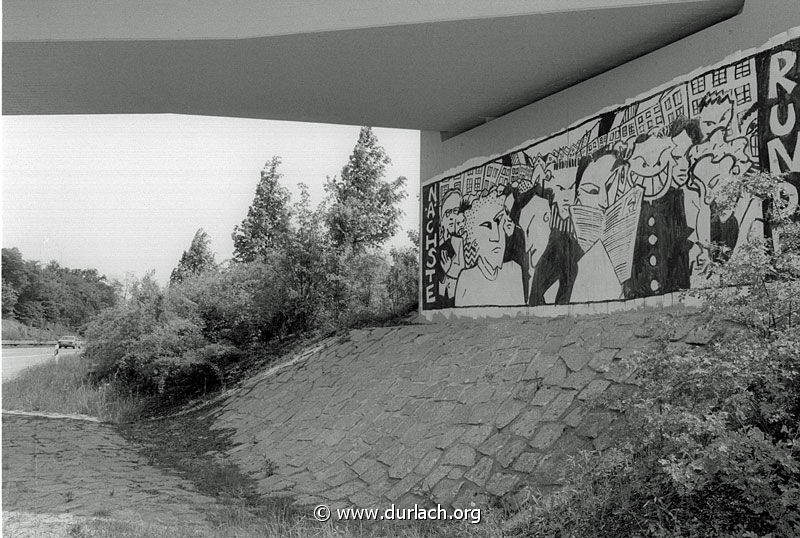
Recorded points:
(454, 412)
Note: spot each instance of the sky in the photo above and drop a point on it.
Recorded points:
(126, 193)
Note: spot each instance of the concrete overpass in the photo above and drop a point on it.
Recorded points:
(442, 66)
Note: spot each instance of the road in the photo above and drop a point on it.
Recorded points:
(16, 359)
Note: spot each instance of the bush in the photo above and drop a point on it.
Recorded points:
(149, 345)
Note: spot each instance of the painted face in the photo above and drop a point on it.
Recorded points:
(486, 228)
(534, 220)
(713, 174)
(450, 212)
(563, 187)
(715, 118)
(680, 162)
(593, 189)
(649, 165)
(508, 224)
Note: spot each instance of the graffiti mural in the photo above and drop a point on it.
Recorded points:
(622, 205)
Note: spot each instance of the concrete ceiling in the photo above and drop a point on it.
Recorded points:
(443, 66)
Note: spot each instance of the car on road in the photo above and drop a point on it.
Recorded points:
(69, 341)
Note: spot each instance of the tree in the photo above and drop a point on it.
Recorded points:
(196, 260)
(362, 207)
(268, 219)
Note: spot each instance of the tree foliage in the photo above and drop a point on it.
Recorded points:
(290, 276)
(268, 219)
(52, 295)
(198, 259)
(362, 207)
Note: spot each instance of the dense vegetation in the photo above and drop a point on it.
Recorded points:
(51, 296)
(712, 439)
(297, 271)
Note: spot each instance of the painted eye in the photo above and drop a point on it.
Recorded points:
(486, 224)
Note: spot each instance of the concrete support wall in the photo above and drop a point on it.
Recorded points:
(608, 191)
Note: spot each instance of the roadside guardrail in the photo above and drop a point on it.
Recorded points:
(28, 343)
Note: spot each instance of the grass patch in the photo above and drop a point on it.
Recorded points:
(63, 387)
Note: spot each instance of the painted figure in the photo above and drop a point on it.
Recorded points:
(719, 156)
(598, 233)
(451, 252)
(554, 275)
(487, 280)
(661, 251)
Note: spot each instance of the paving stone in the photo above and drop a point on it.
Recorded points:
(510, 452)
(513, 373)
(470, 497)
(595, 388)
(601, 360)
(545, 395)
(501, 483)
(620, 371)
(579, 379)
(402, 487)
(449, 437)
(370, 470)
(576, 356)
(456, 473)
(435, 476)
(527, 423)
(494, 444)
(459, 454)
(574, 417)
(547, 435)
(556, 374)
(558, 406)
(527, 462)
(616, 336)
(446, 491)
(508, 411)
(428, 462)
(475, 435)
(477, 394)
(480, 472)
(403, 465)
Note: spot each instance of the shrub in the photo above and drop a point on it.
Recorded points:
(148, 345)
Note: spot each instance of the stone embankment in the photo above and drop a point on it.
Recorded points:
(453, 412)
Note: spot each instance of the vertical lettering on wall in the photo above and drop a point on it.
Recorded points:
(779, 108)
(430, 247)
